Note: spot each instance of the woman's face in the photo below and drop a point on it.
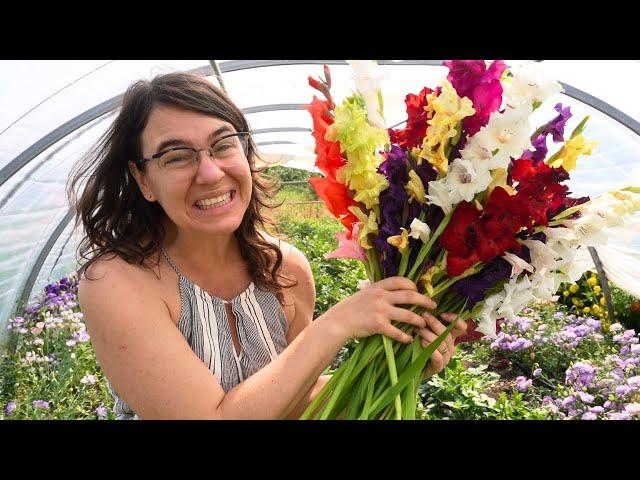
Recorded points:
(214, 196)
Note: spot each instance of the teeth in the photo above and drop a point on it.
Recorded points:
(214, 202)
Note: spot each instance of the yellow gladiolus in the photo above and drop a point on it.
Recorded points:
(572, 149)
(574, 288)
(566, 293)
(592, 281)
(597, 289)
(586, 310)
(603, 302)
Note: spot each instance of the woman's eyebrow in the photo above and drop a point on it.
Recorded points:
(176, 141)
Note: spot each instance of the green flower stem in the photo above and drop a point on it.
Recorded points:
(393, 373)
(341, 383)
(415, 368)
(426, 248)
(371, 348)
(323, 394)
(404, 260)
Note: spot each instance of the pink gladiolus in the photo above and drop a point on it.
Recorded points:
(348, 248)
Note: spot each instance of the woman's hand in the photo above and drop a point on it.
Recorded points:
(371, 310)
(442, 355)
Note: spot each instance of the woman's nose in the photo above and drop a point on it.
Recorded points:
(208, 168)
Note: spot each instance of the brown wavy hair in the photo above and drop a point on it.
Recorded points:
(118, 220)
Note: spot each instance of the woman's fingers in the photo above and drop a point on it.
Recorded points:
(436, 363)
(433, 323)
(407, 316)
(461, 325)
(427, 336)
(410, 297)
(396, 283)
(396, 334)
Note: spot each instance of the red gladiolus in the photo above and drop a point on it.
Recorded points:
(328, 153)
(336, 196)
(412, 135)
(460, 239)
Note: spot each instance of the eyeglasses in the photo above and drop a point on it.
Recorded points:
(184, 161)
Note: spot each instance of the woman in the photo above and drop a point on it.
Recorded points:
(193, 311)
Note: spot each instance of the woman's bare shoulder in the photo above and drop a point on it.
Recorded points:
(110, 270)
(292, 257)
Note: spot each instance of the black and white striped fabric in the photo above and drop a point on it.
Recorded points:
(262, 329)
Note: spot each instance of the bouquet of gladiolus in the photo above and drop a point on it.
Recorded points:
(464, 200)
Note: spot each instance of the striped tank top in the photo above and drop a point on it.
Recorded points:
(261, 326)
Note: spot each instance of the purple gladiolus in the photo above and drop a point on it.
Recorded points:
(555, 127)
(589, 416)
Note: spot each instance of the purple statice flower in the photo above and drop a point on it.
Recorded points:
(632, 409)
(622, 390)
(589, 416)
(81, 337)
(9, 408)
(595, 325)
(634, 382)
(523, 383)
(580, 373)
(608, 404)
(101, 411)
(597, 409)
(568, 401)
(537, 372)
(40, 404)
(618, 416)
(585, 397)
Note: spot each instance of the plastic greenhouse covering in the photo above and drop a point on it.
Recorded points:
(51, 112)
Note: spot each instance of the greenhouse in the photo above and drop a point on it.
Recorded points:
(53, 112)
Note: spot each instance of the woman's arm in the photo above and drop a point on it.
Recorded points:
(152, 367)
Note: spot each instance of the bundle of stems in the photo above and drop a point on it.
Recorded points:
(381, 378)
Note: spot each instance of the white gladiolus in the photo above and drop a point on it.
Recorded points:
(517, 295)
(517, 264)
(506, 134)
(529, 85)
(464, 180)
(440, 195)
(368, 79)
(488, 315)
(420, 230)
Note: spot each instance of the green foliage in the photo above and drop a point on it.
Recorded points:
(335, 278)
(466, 392)
(51, 360)
(627, 307)
(286, 174)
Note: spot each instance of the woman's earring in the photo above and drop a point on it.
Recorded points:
(150, 196)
